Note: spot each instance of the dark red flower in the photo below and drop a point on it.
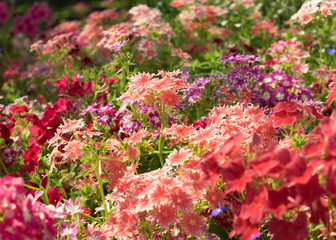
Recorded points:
(253, 208)
(296, 230)
(54, 196)
(244, 228)
(297, 170)
(31, 159)
(271, 163)
(278, 201)
(235, 176)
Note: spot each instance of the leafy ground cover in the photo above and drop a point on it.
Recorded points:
(183, 119)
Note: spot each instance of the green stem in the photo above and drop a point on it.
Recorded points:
(4, 167)
(31, 187)
(161, 141)
(92, 218)
(101, 185)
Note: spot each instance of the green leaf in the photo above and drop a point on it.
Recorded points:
(219, 231)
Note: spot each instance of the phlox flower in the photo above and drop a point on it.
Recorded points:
(73, 150)
(165, 214)
(178, 157)
(159, 195)
(138, 136)
(192, 223)
(170, 98)
(70, 125)
(213, 197)
(126, 213)
(181, 199)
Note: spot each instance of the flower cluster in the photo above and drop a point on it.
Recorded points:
(288, 55)
(308, 10)
(280, 87)
(23, 216)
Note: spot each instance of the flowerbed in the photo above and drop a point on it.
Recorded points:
(183, 119)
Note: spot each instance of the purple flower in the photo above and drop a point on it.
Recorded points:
(256, 236)
(154, 119)
(218, 210)
(331, 50)
(279, 95)
(105, 118)
(195, 89)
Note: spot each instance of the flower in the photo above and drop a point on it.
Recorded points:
(331, 50)
(73, 150)
(170, 98)
(285, 113)
(178, 157)
(54, 196)
(69, 231)
(296, 230)
(192, 222)
(73, 208)
(165, 214)
(218, 210)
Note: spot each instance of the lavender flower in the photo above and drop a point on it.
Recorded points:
(218, 210)
(331, 50)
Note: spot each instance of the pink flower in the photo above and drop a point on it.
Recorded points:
(165, 214)
(69, 231)
(73, 208)
(193, 223)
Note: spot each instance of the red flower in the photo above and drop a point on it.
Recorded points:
(285, 113)
(297, 170)
(253, 207)
(271, 163)
(211, 168)
(331, 187)
(235, 176)
(278, 201)
(332, 94)
(296, 230)
(62, 83)
(18, 109)
(54, 196)
(244, 228)
(310, 194)
(30, 158)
